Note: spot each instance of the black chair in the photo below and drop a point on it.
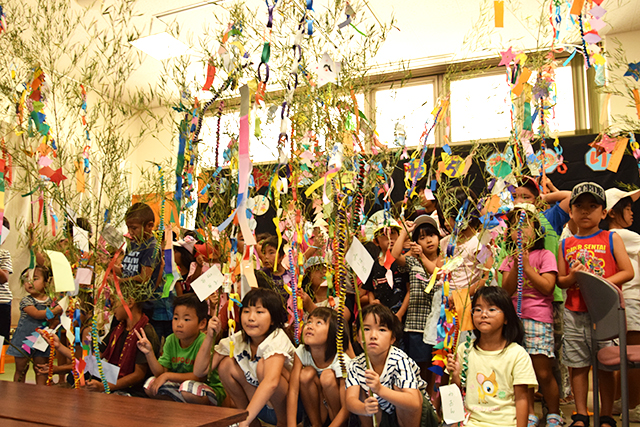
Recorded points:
(605, 304)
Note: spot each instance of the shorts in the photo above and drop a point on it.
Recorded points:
(416, 348)
(268, 415)
(577, 349)
(538, 337)
(632, 310)
(175, 389)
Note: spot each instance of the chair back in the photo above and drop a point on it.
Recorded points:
(604, 303)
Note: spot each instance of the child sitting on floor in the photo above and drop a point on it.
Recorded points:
(173, 372)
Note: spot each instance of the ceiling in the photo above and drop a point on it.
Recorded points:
(426, 32)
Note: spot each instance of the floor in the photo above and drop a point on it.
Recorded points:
(566, 409)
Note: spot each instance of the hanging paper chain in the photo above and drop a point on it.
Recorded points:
(520, 262)
(96, 353)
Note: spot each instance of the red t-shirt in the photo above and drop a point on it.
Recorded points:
(596, 253)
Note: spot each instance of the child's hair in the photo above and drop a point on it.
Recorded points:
(140, 212)
(513, 219)
(462, 195)
(186, 257)
(191, 300)
(261, 237)
(43, 269)
(530, 184)
(618, 209)
(512, 331)
(5, 223)
(385, 317)
(373, 249)
(273, 242)
(271, 301)
(331, 318)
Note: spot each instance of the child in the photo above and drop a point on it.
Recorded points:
(602, 253)
(540, 270)
(619, 218)
(498, 371)
(314, 284)
(138, 264)
(424, 252)
(393, 295)
(393, 377)
(121, 347)
(273, 264)
(257, 376)
(317, 375)
(184, 258)
(173, 372)
(6, 268)
(35, 309)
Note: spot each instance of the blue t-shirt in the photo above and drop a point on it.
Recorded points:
(140, 254)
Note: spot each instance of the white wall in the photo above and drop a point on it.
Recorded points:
(623, 105)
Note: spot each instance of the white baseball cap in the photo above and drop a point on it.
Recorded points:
(614, 195)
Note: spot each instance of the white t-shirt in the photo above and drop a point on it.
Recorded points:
(276, 343)
(491, 380)
(631, 239)
(307, 360)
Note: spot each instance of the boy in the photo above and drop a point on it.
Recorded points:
(393, 377)
(602, 253)
(173, 372)
(270, 250)
(139, 265)
(393, 295)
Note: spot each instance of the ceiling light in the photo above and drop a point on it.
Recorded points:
(161, 46)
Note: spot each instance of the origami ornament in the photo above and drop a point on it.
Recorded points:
(507, 57)
(633, 70)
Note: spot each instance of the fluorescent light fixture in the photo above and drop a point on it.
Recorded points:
(161, 46)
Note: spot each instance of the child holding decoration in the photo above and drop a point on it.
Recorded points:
(530, 277)
(35, 309)
(256, 375)
(173, 371)
(495, 370)
(399, 391)
(317, 375)
(599, 252)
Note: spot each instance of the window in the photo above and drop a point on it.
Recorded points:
(404, 110)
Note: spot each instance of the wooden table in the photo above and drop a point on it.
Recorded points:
(23, 404)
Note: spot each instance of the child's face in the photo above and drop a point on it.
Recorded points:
(586, 212)
(256, 320)
(626, 219)
(35, 286)
(379, 338)
(269, 256)
(487, 317)
(316, 331)
(429, 243)
(117, 308)
(185, 323)
(386, 241)
(528, 232)
(139, 232)
(318, 275)
(523, 195)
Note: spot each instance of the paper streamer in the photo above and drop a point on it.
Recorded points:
(498, 8)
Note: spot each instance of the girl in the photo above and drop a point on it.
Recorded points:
(314, 284)
(540, 271)
(463, 222)
(257, 376)
(498, 371)
(35, 308)
(424, 252)
(394, 378)
(619, 218)
(317, 375)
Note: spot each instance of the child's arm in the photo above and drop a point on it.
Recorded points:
(201, 365)
(292, 394)
(566, 279)
(32, 311)
(144, 345)
(426, 262)
(137, 376)
(545, 282)
(405, 305)
(625, 269)
(396, 251)
(342, 416)
(454, 367)
(522, 405)
(146, 272)
(356, 406)
(483, 279)
(171, 376)
(403, 398)
(273, 366)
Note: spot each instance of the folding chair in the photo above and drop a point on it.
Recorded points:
(605, 304)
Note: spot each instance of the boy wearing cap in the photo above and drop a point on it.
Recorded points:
(599, 252)
(388, 282)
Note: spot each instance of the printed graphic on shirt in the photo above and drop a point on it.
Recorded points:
(590, 255)
(130, 264)
(488, 386)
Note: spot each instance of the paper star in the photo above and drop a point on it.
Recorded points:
(57, 176)
(633, 71)
(507, 57)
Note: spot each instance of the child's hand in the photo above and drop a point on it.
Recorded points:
(371, 405)
(56, 341)
(525, 259)
(577, 266)
(372, 380)
(144, 345)
(416, 250)
(157, 383)
(95, 385)
(453, 366)
(214, 327)
(410, 226)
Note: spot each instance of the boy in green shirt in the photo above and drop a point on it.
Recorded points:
(173, 371)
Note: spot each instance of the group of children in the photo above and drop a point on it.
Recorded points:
(502, 273)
